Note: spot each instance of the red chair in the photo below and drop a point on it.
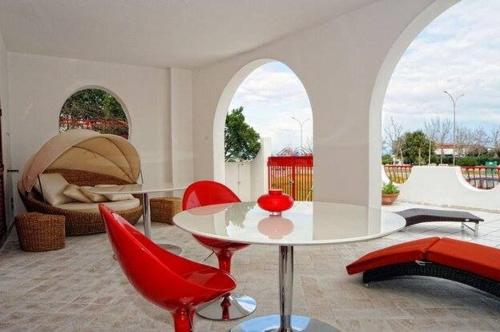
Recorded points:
(171, 282)
(229, 306)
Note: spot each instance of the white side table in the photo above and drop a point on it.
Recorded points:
(144, 190)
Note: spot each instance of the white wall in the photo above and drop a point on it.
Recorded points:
(39, 86)
(249, 179)
(181, 96)
(446, 186)
(338, 63)
(4, 101)
(239, 179)
(259, 173)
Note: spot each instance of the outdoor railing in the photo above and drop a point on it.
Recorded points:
(398, 173)
(481, 177)
(293, 175)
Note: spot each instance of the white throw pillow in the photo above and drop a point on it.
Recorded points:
(115, 197)
(73, 191)
(53, 185)
(95, 198)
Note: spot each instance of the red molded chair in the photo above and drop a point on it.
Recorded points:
(230, 306)
(171, 282)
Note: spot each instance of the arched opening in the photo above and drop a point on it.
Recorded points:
(96, 109)
(379, 91)
(440, 112)
(265, 98)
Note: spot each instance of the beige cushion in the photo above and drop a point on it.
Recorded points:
(114, 197)
(73, 191)
(53, 185)
(96, 198)
(94, 207)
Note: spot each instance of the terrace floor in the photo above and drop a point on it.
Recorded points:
(81, 288)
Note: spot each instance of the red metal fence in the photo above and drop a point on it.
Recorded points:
(293, 175)
(481, 177)
(114, 126)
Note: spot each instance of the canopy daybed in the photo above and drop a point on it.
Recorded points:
(84, 158)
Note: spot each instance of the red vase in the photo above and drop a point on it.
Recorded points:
(275, 201)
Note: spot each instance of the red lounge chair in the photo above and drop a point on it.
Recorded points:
(232, 306)
(466, 262)
(171, 282)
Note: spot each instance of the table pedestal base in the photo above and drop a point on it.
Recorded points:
(285, 321)
(146, 218)
(272, 323)
(229, 307)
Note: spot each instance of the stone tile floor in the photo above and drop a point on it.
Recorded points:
(81, 288)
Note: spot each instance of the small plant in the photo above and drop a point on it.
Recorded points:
(390, 189)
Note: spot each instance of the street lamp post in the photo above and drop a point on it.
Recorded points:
(301, 124)
(454, 102)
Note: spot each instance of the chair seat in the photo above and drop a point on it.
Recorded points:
(397, 254)
(211, 277)
(467, 256)
(215, 244)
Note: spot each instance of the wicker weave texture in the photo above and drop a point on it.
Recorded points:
(163, 209)
(432, 270)
(40, 232)
(79, 223)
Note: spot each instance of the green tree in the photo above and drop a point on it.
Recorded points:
(386, 159)
(94, 104)
(241, 141)
(415, 146)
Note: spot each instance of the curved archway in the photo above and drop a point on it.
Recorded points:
(96, 108)
(382, 81)
(271, 100)
(221, 112)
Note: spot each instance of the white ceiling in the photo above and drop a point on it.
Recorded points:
(163, 33)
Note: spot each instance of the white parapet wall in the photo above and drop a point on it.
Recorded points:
(248, 179)
(446, 186)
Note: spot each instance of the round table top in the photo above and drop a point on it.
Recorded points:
(136, 188)
(306, 223)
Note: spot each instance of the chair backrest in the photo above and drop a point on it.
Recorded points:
(149, 268)
(207, 192)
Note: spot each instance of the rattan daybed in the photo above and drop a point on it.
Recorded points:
(83, 158)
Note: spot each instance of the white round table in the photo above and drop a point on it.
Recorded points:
(306, 223)
(144, 190)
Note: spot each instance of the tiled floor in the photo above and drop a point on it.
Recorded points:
(81, 288)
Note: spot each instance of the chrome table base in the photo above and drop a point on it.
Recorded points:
(284, 322)
(146, 219)
(233, 306)
(271, 323)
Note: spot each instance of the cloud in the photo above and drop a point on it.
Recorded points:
(458, 52)
(271, 95)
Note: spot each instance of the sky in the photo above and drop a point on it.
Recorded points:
(271, 95)
(458, 52)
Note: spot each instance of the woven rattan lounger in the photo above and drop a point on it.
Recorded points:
(416, 216)
(466, 262)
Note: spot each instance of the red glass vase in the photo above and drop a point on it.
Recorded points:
(275, 201)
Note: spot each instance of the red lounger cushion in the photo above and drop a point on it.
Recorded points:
(397, 254)
(467, 256)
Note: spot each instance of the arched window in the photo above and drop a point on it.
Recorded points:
(94, 109)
